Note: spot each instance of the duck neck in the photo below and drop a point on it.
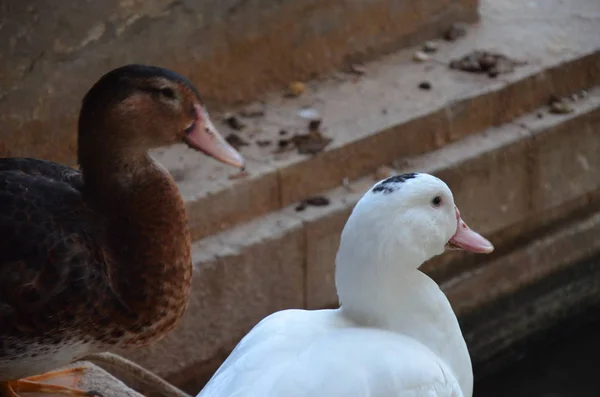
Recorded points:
(400, 298)
(148, 238)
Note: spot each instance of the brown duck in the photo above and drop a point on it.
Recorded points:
(96, 258)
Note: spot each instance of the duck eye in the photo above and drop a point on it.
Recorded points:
(189, 129)
(436, 201)
(167, 92)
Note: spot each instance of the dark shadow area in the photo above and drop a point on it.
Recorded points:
(565, 364)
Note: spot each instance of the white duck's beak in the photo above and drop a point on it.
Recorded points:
(467, 239)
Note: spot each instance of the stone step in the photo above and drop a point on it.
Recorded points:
(234, 51)
(383, 115)
(518, 184)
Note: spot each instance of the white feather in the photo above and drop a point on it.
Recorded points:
(395, 333)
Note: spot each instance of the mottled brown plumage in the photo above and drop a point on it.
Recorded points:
(100, 258)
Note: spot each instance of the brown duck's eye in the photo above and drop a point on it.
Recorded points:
(168, 93)
(190, 128)
(436, 201)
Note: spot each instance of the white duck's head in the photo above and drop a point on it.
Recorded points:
(403, 221)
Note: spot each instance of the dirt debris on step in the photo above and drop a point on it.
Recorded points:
(314, 125)
(491, 63)
(309, 114)
(315, 201)
(384, 172)
(256, 109)
(233, 121)
(263, 142)
(239, 175)
(579, 95)
(425, 85)
(456, 31)
(358, 69)
(283, 145)
(347, 186)
(236, 141)
(421, 56)
(311, 143)
(295, 89)
(430, 46)
(560, 105)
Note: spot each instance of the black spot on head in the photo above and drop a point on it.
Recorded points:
(392, 183)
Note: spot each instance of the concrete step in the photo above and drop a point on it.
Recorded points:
(234, 51)
(520, 184)
(383, 115)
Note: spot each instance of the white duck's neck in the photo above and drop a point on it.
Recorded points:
(389, 292)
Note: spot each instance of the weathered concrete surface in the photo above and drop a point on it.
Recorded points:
(529, 292)
(498, 178)
(232, 50)
(383, 115)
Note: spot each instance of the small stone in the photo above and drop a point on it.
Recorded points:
(311, 143)
(425, 85)
(256, 109)
(309, 114)
(236, 141)
(314, 125)
(490, 63)
(282, 132)
(384, 172)
(358, 69)
(296, 88)
(430, 46)
(493, 72)
(346, 184)
(420, 56)
(560, 107)
(457, 30)
(233, 121)
(540, 115)
(263, 143)
(317, 201)
(239, 175)
(301, 207)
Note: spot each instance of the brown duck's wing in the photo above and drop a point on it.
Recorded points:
(50, 265)
(49, 169)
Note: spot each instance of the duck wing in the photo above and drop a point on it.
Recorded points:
(297, 353)
(48, 169)
(48, 249)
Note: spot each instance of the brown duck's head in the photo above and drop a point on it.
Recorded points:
(135, 108)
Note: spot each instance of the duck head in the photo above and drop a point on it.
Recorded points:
(405, 220)
(136, 108)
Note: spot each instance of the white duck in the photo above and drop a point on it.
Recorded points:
(395, 333)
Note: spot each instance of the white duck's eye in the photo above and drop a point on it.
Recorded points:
(436, 201)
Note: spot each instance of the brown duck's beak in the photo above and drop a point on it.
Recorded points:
(467, 239)
(203, 136)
